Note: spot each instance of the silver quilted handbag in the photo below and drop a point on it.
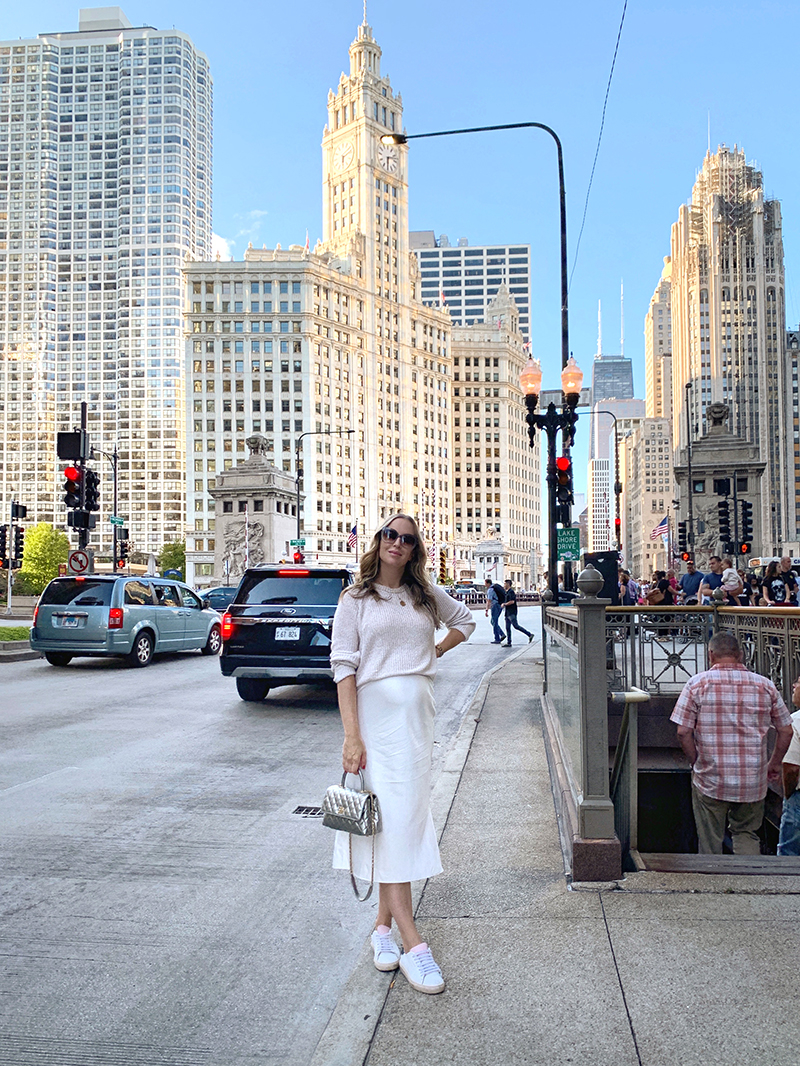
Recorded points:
(357, 813)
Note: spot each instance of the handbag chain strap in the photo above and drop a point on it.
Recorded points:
(364, 898)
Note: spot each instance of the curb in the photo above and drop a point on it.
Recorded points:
(17, 651)
(351, 1027)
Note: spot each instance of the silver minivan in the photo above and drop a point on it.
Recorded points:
(133, 617)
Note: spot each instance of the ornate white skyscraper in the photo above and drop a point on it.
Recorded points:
(728, 327)
(105, 186)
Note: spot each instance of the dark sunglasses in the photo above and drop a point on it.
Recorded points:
(408, 540)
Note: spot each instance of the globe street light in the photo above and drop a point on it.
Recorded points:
(560, 495)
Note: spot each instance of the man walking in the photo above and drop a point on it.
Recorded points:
(510, 607)
(723, 717)
(493, 603)
(711, 580)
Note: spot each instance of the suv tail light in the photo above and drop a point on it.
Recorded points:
(227, 626)
(115, 618)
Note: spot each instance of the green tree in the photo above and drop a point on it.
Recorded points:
(45, 548)
(173, 557)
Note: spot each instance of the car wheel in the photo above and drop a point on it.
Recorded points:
(214, 642)
(142, 651)
(58, 658)
(252, 689)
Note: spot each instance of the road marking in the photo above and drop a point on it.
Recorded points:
(36, 780)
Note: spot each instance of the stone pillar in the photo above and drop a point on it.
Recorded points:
(596, 849)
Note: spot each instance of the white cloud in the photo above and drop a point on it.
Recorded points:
(221, 245)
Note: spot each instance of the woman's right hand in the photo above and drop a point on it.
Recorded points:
(354, 755)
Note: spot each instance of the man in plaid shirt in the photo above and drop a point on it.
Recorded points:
(723, 717)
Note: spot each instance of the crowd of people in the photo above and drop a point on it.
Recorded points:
(777, 587)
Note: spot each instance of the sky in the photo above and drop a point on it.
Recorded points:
(684, 66)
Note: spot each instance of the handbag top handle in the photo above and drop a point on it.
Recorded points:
(360, 778)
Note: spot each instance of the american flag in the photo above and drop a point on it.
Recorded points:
(352, 538)
(661, 530)
(443, 298)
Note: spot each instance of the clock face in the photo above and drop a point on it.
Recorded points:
(389, 158)
(343, 156)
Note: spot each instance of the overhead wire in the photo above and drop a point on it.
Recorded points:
(599, 139)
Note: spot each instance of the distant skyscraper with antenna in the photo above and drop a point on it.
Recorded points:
(612, 375)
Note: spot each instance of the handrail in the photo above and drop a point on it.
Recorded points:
(624, 787)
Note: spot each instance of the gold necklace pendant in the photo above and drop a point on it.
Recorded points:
(402, 603)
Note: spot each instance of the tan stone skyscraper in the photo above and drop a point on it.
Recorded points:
(728, 325)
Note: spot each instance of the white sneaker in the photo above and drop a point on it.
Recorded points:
(387, 953)
(421, 971)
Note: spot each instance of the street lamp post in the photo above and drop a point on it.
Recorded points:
(617, 482)
(551, 423)
(298, 468)
(404, 138)
(113, 458)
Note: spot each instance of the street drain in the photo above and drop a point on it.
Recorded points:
(308, 812)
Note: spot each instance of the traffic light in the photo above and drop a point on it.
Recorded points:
(746, 529)
(682, 541)
(19, 510)
(298, 557)
(745, 547)
(442, 566)
(91, 496)
(564, 479)
(124, 552)
(3, 542)
(19, 543)
(73, 488)
(686, 556)
(723, 511)
(618, 530)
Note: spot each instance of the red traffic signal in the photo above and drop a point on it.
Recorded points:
(72, 486)
(745, 548)
(120, 564)
(298, 557)
(686, 556)
(563, 463)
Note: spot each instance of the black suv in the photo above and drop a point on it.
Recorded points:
(277, 630)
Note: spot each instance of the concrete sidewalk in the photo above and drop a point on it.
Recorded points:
(655, 969)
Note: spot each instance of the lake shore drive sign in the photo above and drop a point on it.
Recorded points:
(80, 562)
(569, 545)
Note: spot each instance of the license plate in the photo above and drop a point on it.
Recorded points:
(287, 633)
(69, 623)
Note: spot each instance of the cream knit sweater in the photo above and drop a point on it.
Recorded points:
(389, 637)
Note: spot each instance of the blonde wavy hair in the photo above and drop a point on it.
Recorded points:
(415, 575)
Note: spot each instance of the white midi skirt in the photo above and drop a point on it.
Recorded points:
(395, 716)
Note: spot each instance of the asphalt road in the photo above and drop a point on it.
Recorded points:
(161, 901)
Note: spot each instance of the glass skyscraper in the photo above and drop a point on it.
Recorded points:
(105, 186)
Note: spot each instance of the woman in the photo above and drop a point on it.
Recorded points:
(384, 660)
(773, 586)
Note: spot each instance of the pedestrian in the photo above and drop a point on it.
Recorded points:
(384, 656)
(510, 608)
(777, 586)
(789, 835)
(627, 597)
(732, 584)
(495, 605)
(790, 579)
(712, 580)
(690, 582)
(723, 716)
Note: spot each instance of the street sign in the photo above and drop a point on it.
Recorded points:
(298, 543)
(569, 545)
(80, 561)
(116, 521)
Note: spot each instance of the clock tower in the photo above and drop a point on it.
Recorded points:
(364, 183)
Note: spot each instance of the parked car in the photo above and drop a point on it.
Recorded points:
(278, 629)
(133, 617)
(219, 598)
